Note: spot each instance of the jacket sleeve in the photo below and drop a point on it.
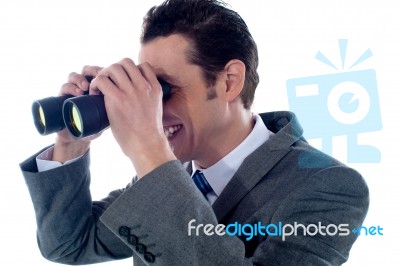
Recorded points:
(166, 201)
(150, 219)
(71, 229)
(68, 227)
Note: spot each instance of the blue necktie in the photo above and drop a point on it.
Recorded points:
(201, 183)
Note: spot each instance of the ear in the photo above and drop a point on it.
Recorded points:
(235, 73)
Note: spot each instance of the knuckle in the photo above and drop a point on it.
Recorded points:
(145, 67)
(67, 88)
(115, 67)
(91, 70)
(145, 64)
(72, 76)
(127, 60)
(101, 78)
(85, 68)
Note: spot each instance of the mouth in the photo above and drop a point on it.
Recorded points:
(171, 131)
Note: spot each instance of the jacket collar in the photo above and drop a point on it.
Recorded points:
(287, 131)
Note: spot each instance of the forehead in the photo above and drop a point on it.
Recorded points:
(165, 51)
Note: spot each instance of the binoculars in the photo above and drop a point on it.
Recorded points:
(82, 115)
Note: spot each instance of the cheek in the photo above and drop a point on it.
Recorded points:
(194, 122)
(204, 123)
(196, 113)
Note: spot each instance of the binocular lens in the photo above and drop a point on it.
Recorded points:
(47, 114)
(85, 115)
(76, 119)
(42, 118)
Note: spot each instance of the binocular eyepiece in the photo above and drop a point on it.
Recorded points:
(82, 115)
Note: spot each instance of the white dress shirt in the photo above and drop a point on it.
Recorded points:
(219, 174)
(44, 162)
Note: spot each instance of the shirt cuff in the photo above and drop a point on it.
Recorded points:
(44, 162)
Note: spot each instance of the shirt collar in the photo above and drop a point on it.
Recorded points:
(219, 174)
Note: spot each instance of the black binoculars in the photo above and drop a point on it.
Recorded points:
(82, 115)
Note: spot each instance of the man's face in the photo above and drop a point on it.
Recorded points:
(192, 122)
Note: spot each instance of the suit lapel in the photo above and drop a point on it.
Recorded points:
(260, 162)
(252, 170)
(286, 131)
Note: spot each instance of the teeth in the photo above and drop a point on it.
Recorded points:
(169, 131)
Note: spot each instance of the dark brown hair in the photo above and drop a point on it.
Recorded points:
(217, 33)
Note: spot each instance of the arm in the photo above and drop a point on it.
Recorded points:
(166, 200)
(68, 227)
(72, 229)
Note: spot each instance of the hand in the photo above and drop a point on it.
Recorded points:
(67, 146)
(133, 100)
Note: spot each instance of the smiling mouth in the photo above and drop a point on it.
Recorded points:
(171, 130)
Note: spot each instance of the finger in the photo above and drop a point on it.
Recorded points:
(70, 89)
(116, 74)
(148, 73)
(91, 70)
(135, 75)
(102, 83)
(79, 80)
(119, 76)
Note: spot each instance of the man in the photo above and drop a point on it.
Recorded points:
(258, 168)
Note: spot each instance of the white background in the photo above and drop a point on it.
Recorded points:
(41, 42)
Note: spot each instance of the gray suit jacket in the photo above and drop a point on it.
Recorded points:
(284, 181)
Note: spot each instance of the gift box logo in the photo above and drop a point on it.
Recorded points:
(344, 103)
